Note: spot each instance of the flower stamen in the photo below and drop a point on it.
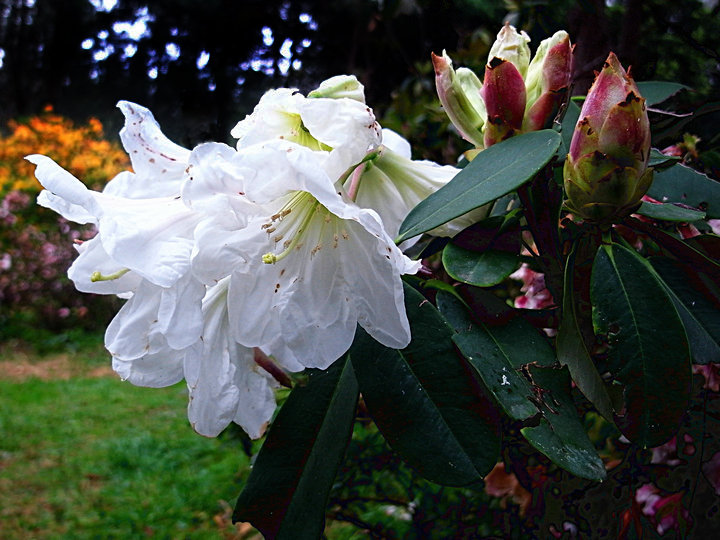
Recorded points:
(299, 201)
(97, 276)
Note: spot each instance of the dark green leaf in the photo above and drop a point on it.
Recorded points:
(481, 269)
(520, 340)
(495, 367)
(660, 160)
(669, 212)
(423, 400)
(495, 172)
(454, 310)
(560, 434)
(648, 352)
(656, 92)
(700, 316)
(707, 244)
(286, 493)
(572, 350)
(509, 389)
(681, 184)
(697, 251)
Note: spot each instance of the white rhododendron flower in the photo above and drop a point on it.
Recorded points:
(308, 268)
(280, 246)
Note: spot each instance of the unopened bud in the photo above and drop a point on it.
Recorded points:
(340, 86)
(547, 81)
(606, 171)
(512, 47)
(459, 93)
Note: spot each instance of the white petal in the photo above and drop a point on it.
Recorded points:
(68, 195)
(397, 143)
(156, 318)
(216, 183)
(340, 86)
(133, 332)
(219, 250)
(310, 301)
(224, 381)
(153, 237)
(158, 163)
(274, 116)
(179, 312)
(93, 258)
(71, 212)
(346, 125)
(163, 368)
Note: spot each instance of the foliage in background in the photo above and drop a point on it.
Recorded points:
(36, 246)
(200, 72)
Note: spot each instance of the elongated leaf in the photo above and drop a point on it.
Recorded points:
(481, 269)
(498, 232)
(560, 435)
(521, 342)
(656, 92)
(708, 244)
(454, 310)
(510, 389)
(681, 184)
(572, 351)
(696, 251)
(500, 169)
(286, 493)
(700, 316)
(669, 212)
(423, 401)
(648, 347)
(498, 351)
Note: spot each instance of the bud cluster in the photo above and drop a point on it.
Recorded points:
(517, 94)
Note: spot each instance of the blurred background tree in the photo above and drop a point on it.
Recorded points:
(200, 66)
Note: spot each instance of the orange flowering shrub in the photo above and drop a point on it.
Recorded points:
(80, 149)
(35, 244)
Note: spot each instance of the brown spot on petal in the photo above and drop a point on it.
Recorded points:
(495, 62)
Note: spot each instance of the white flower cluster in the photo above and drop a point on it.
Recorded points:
(237, 258)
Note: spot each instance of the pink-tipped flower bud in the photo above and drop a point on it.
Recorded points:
(503, 88)
(503, 92)
(459, 93)
(547, 81)
(606, 171)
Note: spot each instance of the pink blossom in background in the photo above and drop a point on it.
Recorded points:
(536, 295)
(665, 510)
(711, 372)
(714, 225)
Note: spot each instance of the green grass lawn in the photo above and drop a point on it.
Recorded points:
(85, 455)
(99, 458)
